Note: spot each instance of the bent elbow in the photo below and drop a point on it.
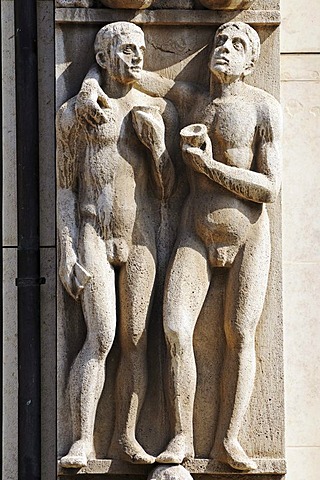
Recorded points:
(271, 191)
(270, 195)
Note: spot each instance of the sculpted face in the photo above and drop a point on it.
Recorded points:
(124, 59)
(232, 53)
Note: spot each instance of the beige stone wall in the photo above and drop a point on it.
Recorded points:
(301, 227)
(300, 82)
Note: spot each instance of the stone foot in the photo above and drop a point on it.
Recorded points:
(233, 454)
(176, 451)
(131, 451)
(78, 455)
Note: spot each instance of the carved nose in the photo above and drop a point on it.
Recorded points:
(137, 56)
(225, 47)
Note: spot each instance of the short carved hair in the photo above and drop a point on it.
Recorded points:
(111, 33)
(251, 34)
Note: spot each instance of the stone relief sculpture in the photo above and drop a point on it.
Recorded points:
(113, 180)
(234, 162)
(232, 152)
(141, 4)
(134, 4)
(131, 4)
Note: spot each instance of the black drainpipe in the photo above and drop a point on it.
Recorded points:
(28, 281)
(1, 258)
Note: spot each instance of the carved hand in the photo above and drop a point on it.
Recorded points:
(198, 158)
(196, 147)
(66, 270)
(73, 276)
(150, 128)
(89, 102)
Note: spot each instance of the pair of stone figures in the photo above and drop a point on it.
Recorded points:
(113, 139)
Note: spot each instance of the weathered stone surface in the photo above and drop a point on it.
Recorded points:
(196, 466)
(132, 4)
(114, 178)
(9, 464)
(176, 472)
(173, 4)
(227, 124)
(226, 4)
(222, 228)
(167, 17)
(176, 4)
(9, 221)
(75, 3)
(294, 26)
(300, 95)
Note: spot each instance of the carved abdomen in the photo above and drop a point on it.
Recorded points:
(221, 218)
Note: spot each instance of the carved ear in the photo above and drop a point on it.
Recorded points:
(101, 59)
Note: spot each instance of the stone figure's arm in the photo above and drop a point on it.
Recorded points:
(261, 185)
(66, 198)
(182, 94)
(91, 96)
(152, 130)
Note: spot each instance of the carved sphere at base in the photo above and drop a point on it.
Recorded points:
(226, 4)
(132, 4)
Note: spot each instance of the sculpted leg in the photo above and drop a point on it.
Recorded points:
(245, 295)
(88, 371)
(186, 289)
(135, 291)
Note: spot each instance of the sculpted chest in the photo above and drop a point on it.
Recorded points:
(231, 126)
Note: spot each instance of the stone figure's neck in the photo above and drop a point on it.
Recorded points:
(226, 87)
(115, 89)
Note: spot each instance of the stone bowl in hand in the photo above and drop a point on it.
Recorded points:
(132, 4)
(226, 4)
(194, 135)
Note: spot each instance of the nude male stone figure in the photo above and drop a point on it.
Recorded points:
(112, 178)
(233, 157)
(234, 162)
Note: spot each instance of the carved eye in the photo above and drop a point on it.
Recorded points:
(127, 50)
(220, 40)
(238, 44)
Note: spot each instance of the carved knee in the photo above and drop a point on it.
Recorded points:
(100, 343)
(237, 336)
(178, 336)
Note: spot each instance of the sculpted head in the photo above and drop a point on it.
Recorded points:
(119, 49)
(236, 50)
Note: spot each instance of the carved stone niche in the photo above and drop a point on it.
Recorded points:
(169, 297)
(226, 4)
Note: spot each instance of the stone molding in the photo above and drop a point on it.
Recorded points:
(167, 17)
(276, 466)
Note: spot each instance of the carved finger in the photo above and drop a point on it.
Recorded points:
(103, 98)
(91, 121)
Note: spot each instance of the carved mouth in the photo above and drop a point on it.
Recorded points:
(221, 61)
(136, 69)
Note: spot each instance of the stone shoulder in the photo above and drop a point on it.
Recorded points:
(268, 109)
